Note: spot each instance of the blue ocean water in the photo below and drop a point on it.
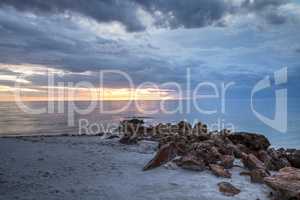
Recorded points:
(236, 113)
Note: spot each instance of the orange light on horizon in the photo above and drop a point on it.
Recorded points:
(82, 94)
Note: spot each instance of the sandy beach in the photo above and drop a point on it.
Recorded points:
(94, 168)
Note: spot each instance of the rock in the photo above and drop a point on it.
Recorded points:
(250, 140)
(206, 151)
(218, 170)
(132, 127)
(227, 189)
(286, 183)
(227, 161)
(252, 162)
(236, 150)
(200, 129)
(190, 162)
(184, 128)
(278, 160)
(294, 158)
(266, 159)
(258, 175)
(165, 154)
(127, 139)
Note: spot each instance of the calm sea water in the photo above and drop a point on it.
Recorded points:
(14, 121)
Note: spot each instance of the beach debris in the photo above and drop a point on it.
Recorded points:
(286, 183)
(228, 189)
(219, 171)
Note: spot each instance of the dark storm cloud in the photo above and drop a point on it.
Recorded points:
(101, 10)
(172, 13)
(58, 42)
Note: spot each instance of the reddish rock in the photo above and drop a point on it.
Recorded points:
(218, 170)
(286, 183)
(164, 155)
(252, 162)
(228, 189)
(190, 162)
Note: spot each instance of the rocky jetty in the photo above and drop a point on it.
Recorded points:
(196, 148)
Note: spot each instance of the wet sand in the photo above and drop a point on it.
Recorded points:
(92, 168)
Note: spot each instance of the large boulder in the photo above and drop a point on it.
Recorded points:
(252, 141)
(165, 154)
(252, 162)
(286, 183)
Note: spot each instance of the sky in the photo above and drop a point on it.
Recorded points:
(154, 42)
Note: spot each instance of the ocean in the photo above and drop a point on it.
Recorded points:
(62, 117)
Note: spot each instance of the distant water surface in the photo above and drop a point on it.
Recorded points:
(14, 121)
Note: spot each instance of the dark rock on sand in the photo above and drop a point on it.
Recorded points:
(228, 189)
(218, 170)
(286, 184)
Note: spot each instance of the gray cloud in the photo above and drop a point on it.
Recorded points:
(101, 10)
(58, 42)
(172, 13)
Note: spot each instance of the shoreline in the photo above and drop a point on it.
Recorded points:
(232, 164)
(88, 168)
